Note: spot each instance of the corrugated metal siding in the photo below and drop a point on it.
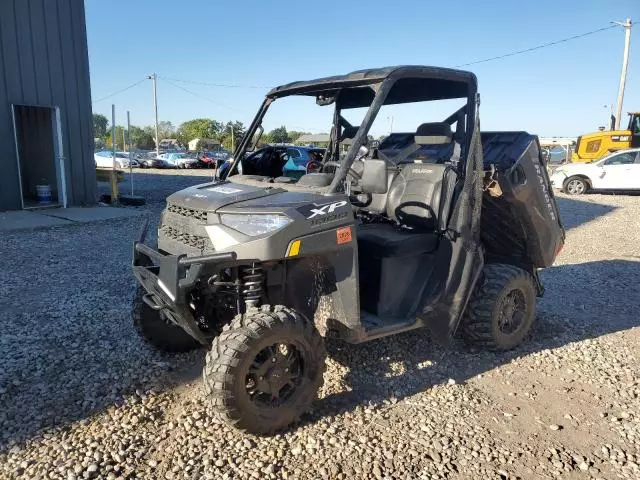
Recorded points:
(44, 61)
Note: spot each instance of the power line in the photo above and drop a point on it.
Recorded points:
(224, 85)
(538, 47)
(202, 96)
(120, 91)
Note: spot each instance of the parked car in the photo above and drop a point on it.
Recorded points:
(181, 160)
(213, 159)
(617, 171)
(150, 160)
(268, 161)
(302, 160)
(104, 159)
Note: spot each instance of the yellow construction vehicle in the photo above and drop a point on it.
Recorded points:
(594, 146)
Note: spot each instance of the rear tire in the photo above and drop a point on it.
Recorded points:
(158, 331)
(502, 308)
(576, 186)
(264, 370)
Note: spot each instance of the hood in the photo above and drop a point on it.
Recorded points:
(214, 195)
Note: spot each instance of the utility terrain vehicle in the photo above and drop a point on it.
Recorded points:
(432, 228)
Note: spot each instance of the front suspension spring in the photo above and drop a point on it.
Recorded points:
(252, 279)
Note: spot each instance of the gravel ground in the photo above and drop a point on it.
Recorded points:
(82, 397)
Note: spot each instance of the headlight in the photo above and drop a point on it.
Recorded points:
(254, 225)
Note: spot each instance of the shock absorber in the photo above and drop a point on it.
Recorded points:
(252, 279)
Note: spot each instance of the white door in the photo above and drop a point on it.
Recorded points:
(621, 171)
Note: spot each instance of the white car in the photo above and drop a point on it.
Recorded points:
(617, 171)
(104, 159)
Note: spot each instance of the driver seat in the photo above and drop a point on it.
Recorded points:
(414, 205)
(396, 260)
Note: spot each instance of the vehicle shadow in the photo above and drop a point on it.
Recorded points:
(156, 185)
(574, 213)
(569, 312)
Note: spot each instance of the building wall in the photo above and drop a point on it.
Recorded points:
(44, 61)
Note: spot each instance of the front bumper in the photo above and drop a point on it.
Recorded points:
(557, 180)
(167, 280)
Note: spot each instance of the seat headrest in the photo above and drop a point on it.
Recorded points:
(349, 132)
(437, 133)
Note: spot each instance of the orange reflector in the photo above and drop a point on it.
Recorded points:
(294, 248)
(343, 235)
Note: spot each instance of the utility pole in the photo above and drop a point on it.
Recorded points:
(625, 64)
(233, 140)
(114, 171)
(130, 151)
(153, 77)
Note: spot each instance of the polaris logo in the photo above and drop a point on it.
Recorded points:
(326, 209)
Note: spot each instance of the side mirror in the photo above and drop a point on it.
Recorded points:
(374, 176)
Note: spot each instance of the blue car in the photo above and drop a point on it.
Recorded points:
(275, 161)
(301, 160)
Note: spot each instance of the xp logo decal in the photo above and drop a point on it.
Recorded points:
(321, 214)
(324, 209)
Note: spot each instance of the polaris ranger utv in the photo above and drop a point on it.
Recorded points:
(432, 228)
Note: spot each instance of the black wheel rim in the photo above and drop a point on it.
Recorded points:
(512, 312)
(274, 375)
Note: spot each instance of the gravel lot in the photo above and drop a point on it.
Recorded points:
(82, 397)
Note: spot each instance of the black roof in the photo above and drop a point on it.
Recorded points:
(418, 83)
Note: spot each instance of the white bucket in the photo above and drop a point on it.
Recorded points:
(43, 192)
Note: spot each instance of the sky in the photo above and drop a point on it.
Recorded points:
(561, 90)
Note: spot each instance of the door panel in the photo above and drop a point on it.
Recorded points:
(621, 172)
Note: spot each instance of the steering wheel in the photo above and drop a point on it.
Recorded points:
(351, 171)
(313, 166)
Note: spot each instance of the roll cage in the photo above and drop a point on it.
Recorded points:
(373, 89)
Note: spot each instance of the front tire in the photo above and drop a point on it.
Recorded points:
(264, 370)
(576, 186)
(502, 308)
(157, 330)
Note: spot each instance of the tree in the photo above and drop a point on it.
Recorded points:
(119, 139)
(100, 123)
(294, 135)
(198, 128)
(226, 139)
(279, 135)
(165, 130)
(141, 138)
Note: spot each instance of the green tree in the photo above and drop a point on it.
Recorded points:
(119, 139)
(294, 135)
(229, 141)
(141, 138)
(279, 135)
(198, 128)
(100, 124)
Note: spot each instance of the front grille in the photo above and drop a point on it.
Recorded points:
(200, 215)
(189, 239)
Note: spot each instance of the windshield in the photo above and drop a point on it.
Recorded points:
(337, 122)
